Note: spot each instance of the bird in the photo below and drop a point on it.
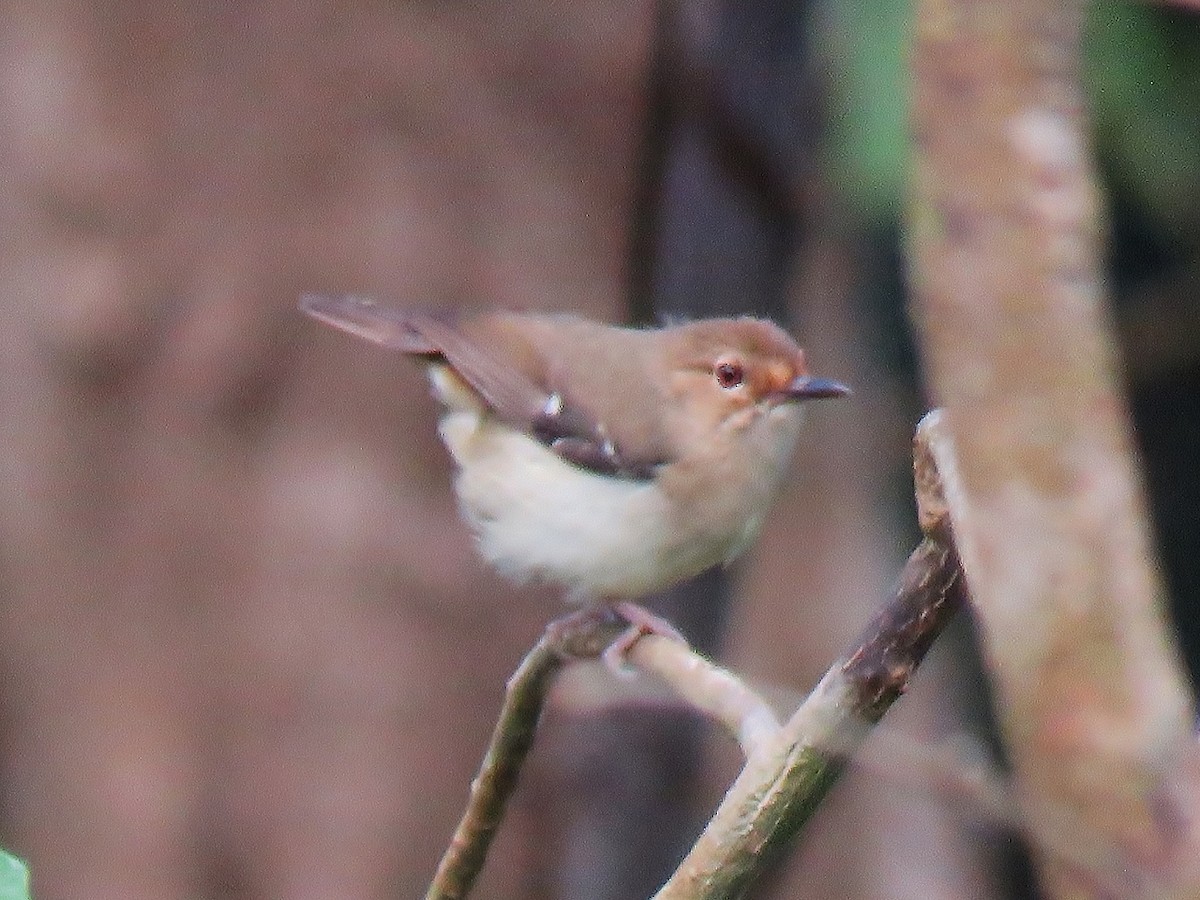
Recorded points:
(611, 461)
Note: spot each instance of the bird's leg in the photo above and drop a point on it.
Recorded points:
(641, 622)
(646, 622)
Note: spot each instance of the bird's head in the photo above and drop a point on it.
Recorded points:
(733, 374)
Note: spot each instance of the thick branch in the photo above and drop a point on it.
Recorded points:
(784, 782)
(1048, 516)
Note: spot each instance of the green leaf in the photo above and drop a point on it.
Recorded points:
(868, 46)
(14, 878)
(1143, 84)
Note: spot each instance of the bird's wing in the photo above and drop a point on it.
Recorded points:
(365, 318)
(522, 400)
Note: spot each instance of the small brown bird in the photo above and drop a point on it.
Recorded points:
(611, 461)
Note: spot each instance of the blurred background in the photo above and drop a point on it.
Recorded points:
(246, 649)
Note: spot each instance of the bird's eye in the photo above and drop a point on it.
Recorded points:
(729, 374)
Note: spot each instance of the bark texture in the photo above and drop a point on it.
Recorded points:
(1006, 228)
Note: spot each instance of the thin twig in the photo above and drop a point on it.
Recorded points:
(957, 772)
(709, 689)
(586, 634)
(583, 634)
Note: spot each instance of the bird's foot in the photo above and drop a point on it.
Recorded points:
(641, 622)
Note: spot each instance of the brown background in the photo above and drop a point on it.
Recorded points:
(246, 648)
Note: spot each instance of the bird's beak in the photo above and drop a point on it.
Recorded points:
(805, 387)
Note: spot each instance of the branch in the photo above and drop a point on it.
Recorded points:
(709, 689)
(1009, 298)
(581, 635)
(789, 768)
(585, 634)
(784, 782)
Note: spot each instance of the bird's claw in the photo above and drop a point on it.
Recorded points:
(641, 622)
